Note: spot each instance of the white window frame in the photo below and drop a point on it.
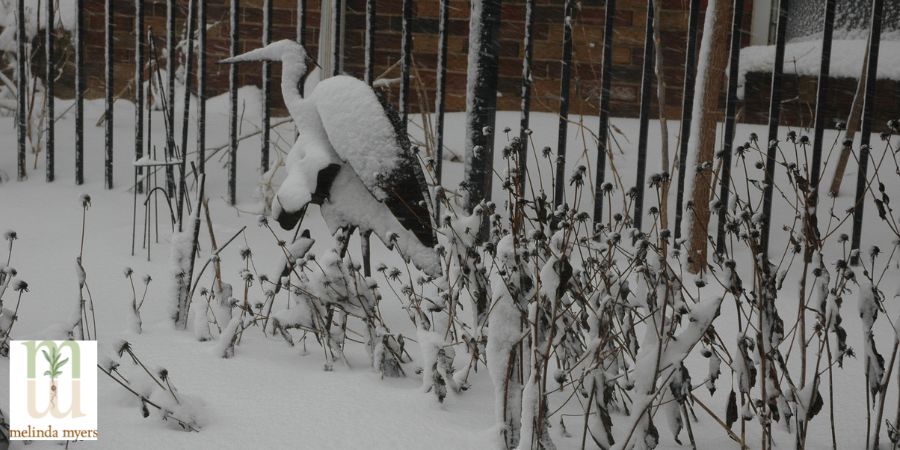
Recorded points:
(761, 22)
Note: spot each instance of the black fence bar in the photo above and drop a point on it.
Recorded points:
(865, 129)
(481, 102)
(440, 98)
(603, 129)
(774, 120)
(170, 96)
(301, 35)
(22, 88)
(186, 115)
(525, 117)
(79, 92)
(365, 241)
(50, 78)
(439, 103)
(108, 96)
(337, 55)
(821, 102)
(233, 103)
(405, 62)
(687, 109)
(646, 92)
(201, 86)
(730, 105)
(138, 89)
(369, 76)
(564, 82)
(266, 89)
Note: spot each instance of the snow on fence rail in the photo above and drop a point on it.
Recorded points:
(481, 93)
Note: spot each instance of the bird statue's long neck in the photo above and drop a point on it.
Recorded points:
(293, 72)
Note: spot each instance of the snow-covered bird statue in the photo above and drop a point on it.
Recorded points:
(351, 159)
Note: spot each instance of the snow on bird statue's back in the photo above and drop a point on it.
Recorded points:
(351, 158)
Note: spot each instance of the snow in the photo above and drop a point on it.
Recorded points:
(270, 391)
(804, 59)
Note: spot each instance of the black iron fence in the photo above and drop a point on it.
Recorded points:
(480, 106)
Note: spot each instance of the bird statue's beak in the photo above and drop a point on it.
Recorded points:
(312, 62)
(259, 54)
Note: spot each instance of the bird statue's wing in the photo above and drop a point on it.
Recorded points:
(364, 134)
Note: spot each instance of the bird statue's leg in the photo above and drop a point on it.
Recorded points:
(365, 243)
(342, 236)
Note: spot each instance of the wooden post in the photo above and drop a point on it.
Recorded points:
(703, 138)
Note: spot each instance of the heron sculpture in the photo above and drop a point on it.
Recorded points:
(351, 158)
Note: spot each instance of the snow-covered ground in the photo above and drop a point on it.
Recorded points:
(271, 395)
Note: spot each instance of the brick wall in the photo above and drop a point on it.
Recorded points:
(587, 47)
